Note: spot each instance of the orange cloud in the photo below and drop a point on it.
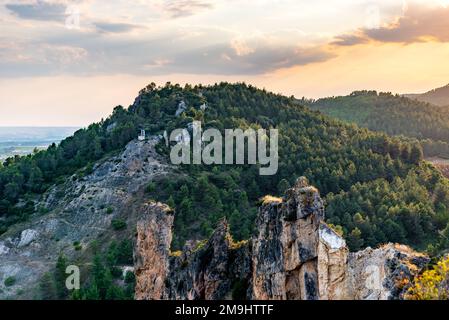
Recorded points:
(419, 23)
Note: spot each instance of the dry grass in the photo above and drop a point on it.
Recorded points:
(175, 253)
(270, 199)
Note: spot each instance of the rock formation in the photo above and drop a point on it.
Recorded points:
(153, 236)
(293, 255)
(210, 270)
(384, 273)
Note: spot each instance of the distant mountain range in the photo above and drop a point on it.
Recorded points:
(439, 96)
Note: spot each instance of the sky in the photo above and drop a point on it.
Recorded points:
(70, 62)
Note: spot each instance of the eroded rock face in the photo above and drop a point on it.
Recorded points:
(384, 273)
(293, 255)
(332, 265)
(213, 270)
(154, 235)
(78, 210)
(26, 237)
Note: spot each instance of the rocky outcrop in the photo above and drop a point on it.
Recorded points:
(384, 273)
(78, 210)
(296, 255)
(154, 236)
(210, 270)
(293, 255)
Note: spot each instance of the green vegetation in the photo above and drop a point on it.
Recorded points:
(118, 224)
(106, 281)
(28, 176)
(438, 96)
(398, 211)
(343, 161)
(77, 246)
(394, 115)
(52, 284)
(432, 284)
(10, 281)
(377, 187)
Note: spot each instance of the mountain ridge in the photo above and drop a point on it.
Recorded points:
(392, 114)
(438, 96)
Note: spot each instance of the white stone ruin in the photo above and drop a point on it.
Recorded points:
(142, 135)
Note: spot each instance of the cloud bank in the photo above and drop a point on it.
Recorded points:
(419, 23)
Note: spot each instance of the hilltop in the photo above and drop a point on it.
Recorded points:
(438, 97)
(392, 114)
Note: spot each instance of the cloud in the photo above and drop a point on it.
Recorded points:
(349, 40)
(184, 8)
(241, 48)
(40, 10)
(418, 23)
(115, 27)
(223, 59)
(21, 58)
(90, 53)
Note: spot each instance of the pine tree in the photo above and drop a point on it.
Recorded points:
(47, 287)
(416, 154)
(282, 187)
(60, 278)
(354, 240)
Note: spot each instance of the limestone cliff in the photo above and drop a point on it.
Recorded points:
(293, 255)
(211, 270)
(154, 237)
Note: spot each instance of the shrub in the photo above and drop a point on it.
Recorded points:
(151, 187)
(77, 246)
(129, 277)
(10, 281)
(433, 284)
(118, 224)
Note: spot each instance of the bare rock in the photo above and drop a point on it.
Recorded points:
(285, 248)
(212, 270)
(384, 273)
(154, 236)
(181, 108)
(332, 265)
(3, 249)
(26, 237)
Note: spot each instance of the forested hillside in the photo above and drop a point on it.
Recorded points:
(394, 115)
(438, 97)
(377, 188)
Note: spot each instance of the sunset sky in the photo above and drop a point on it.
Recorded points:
(67, 62)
